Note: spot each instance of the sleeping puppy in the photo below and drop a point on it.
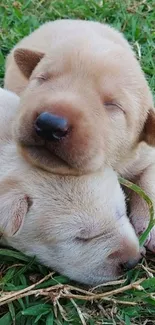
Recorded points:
(85, 104)
(76, 225)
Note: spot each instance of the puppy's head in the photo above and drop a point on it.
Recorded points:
(75, 225)
(87, 102)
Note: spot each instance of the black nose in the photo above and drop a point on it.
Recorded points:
(130, 264)
(51, 127)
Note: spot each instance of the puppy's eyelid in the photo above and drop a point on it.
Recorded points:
(116, 105)
(89, 238)
(42, 77)
(84, 240)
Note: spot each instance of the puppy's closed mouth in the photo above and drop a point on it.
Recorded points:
(42, 157)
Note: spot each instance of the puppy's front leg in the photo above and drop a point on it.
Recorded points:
(139, 215)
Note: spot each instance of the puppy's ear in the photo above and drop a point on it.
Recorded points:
(27, 60)
(13, 207)
(148, 133)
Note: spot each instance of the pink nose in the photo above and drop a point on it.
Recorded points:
(51, 127)
(130, 264)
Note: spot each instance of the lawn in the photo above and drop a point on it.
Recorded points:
(30, 294)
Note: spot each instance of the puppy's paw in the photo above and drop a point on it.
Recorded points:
(140, 224)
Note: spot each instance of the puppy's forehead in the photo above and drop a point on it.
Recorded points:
(94, 58)
(80, 50)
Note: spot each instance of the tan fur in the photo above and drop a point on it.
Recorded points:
(76, 225)
(88, 74)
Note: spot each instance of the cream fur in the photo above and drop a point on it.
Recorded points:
(89, 74)
(75, 225)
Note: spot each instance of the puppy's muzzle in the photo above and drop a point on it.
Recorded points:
(51, 127)
(132, 262)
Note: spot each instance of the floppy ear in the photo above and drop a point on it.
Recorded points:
(13, 207)
(148, 133)
(27, 60)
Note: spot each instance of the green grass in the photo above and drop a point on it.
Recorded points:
(53, 301)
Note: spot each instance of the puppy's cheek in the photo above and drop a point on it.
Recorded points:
(24, 131)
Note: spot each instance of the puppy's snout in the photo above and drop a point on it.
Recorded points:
(51, 127)
(128, 259)
(132, 262)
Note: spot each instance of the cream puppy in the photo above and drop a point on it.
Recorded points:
(75, 225)
(85, 104)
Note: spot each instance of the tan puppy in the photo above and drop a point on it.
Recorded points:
(76, 225)
(86, 104)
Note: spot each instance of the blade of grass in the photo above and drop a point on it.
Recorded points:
(144, 196)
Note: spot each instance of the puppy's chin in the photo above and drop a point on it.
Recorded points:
(41, 157)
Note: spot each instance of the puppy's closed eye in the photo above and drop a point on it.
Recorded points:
(42, 77)
(86, 235)
(112, 106)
